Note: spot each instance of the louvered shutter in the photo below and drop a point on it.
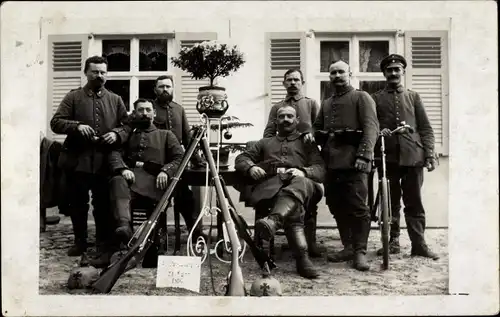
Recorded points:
(66, 58)
(284, 51)
(188, 88)
(427, 74)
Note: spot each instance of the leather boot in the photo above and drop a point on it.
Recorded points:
(297, 241)
(394, 247)
(347, 253)
(360, 232)
(310, 225)
(424, 251)
(122, 215)
(79, 218)
(266, 227)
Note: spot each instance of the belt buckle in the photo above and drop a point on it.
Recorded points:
(280, 170)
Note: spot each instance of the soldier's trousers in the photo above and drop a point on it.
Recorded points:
(346, 194)
(406, 183)
(121, 195)
(78, 186)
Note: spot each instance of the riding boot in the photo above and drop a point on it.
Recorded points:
(360, 232)
(122, 215)
(266, 227)
(298, 243)
(79, 217)
(345, 233)
(310, 224)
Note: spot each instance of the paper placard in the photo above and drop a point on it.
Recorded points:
(179, 271)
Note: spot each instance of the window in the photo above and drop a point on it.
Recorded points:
(134, 63)
(363, 53)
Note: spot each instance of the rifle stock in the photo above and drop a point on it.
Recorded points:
(112, 273)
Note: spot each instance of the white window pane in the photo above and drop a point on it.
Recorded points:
(331, 51)
(371, 54)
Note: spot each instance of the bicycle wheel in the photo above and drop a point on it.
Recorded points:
(385, 222)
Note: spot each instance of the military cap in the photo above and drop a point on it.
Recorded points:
(393, 60)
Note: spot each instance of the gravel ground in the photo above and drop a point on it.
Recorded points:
(406, 276)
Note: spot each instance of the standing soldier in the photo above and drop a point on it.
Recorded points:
(90, 116)
(172, 116)
(406, 154)
(307, 111)
(350, 120)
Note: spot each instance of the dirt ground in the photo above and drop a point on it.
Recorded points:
(406, 276)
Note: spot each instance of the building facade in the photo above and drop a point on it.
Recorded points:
(139, 48)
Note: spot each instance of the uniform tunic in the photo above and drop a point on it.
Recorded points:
(150, 145)
(288, 152)
(307, 111)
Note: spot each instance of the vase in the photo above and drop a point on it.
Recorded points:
(212, 101)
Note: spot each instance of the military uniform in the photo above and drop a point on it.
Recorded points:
(84, 161)
(291, 195)
(405, 153)
(307, 111)
(150, 145)
(346, 188)
(306, 108)
(172, 116)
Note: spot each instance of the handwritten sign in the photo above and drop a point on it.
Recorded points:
(179, 271)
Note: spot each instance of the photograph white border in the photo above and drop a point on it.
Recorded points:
(473, 197)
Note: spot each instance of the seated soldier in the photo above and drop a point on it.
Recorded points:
(143, 166)
(287, 171)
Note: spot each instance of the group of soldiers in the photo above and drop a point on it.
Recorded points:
(119, 157)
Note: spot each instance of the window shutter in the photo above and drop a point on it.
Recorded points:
(66, 59)
(283, 51)
(187, 90)
(427, 74)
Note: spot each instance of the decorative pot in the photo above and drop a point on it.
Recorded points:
(212, 101)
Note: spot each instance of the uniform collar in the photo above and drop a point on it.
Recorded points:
(297, 97)
(342, 91)
(398, 89)
(291, 137)
(89, 92)
(151, 128)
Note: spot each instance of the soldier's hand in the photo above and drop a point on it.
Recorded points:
(162, 181)
(430, 164)
(295, 172)
(386, 132)
(128, 175)
(257, 173)
(110, 137)
(86, 130)
(309, 138)
(361, 165)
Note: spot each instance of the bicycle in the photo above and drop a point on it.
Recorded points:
(381, 209)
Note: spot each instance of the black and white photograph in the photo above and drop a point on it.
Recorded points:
(170, 158)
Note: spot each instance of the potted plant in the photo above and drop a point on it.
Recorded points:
(210, 59)
(228, 123)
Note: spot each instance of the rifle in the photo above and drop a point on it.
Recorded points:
(142, 240)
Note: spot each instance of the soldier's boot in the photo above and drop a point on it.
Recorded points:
(79, 218)
(360, 232)
(310, 225)
(298, 243)
(122, 215)
(394, 247)
(266, 228)
(416, 227)
(347, 253)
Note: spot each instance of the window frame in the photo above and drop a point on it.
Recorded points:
(353, 39)
(135, 75)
